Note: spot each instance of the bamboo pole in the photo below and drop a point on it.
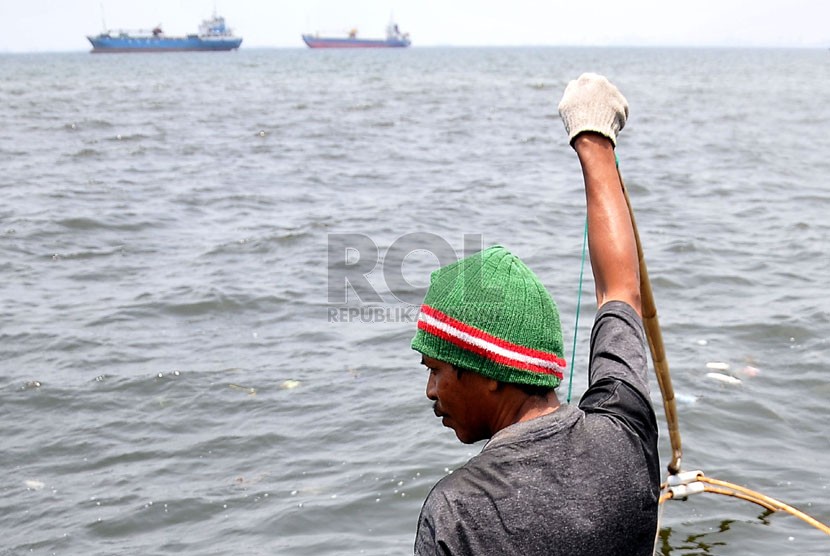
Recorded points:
(655, 343)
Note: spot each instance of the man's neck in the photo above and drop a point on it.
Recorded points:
(517, 407)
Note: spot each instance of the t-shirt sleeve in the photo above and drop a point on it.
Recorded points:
(426, 541)
(618, 372)
(439, 524)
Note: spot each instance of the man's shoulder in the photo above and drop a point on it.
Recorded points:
(458, 483)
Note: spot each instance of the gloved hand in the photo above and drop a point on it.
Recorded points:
(592, 103)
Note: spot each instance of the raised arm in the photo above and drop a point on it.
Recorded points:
(594, 111)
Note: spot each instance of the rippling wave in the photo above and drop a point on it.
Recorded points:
(174, 380)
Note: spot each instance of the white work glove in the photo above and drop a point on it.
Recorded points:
(592, 103)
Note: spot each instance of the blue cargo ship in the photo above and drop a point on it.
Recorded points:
(394, 39)
(213, 35)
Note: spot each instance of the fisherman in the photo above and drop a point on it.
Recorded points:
(553, 479)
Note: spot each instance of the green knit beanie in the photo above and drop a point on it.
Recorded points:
(490, 313)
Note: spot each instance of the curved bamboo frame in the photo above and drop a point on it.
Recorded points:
(725, 488)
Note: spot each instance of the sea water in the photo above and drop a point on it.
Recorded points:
(183, 369)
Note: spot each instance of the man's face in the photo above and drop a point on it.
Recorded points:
(460, 402)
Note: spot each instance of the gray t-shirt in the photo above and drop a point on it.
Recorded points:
(579, 481)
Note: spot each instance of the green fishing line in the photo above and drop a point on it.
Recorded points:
(578, 305)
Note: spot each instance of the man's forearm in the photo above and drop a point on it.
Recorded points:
(610, 234)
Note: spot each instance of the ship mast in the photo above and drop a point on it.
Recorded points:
(103, 19)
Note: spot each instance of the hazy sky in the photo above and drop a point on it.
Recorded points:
(56, 25)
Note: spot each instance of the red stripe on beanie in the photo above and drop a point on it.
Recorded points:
(520, 352)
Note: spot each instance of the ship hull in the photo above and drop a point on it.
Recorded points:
(345, 42)
(109, 44)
